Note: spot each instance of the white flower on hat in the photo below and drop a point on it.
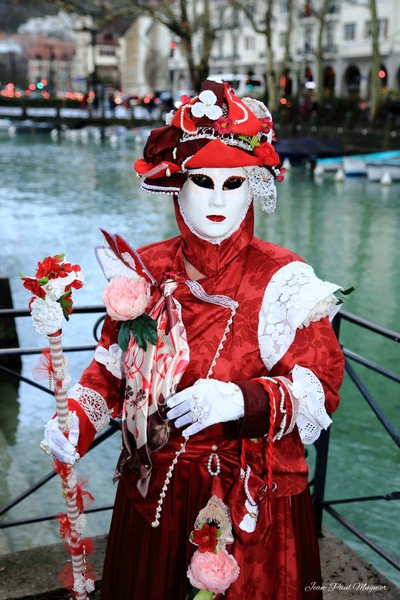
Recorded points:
(207, 107)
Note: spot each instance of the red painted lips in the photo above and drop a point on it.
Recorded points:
(216, 218)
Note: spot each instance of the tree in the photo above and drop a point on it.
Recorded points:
(263, 26)
(290, 5)
(186, 19)
(319, 54)
(375, 62)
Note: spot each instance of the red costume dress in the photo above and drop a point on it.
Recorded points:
(257, 318)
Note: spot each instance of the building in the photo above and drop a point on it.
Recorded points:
(30, 58)
(140, 56)
(346, 45)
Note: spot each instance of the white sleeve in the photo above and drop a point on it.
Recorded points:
(293, 298)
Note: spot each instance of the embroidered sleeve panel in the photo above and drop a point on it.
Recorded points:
(293, 298)
(93, 404)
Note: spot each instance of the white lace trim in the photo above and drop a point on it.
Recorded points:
(307, 391)
(158, 189)
(93, 404)
(322, 309)
(293, 298)
(209, 133)
(197, 290)
(261, 112)
(262, 187)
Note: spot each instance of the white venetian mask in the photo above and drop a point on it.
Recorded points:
(214, 202)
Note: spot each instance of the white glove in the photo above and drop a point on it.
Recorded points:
(206, 403)
(61, 447)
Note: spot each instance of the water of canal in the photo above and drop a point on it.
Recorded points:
(55, 196)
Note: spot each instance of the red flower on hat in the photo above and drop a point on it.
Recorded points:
(223, 125)
(267, 154)
(266, 124)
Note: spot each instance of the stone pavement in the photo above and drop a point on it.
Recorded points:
(32, 574)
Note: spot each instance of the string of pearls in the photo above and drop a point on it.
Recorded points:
(181, 118)
(211, 459)
(282, 409)
(246, 487)
(167, 481)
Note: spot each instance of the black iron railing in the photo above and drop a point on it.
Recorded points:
(322, 444)
(318, 481)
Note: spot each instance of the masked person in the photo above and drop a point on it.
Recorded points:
(245, 370)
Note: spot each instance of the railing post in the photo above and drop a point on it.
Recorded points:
(321, 462)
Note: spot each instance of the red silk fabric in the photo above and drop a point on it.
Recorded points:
(143, 562)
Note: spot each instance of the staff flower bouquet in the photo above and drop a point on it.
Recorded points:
(212, 569)
(52, 292)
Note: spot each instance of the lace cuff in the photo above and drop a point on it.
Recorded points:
(293, 298)
(309, 399)
(93, 404)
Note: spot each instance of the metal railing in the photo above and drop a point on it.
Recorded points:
(318, 481)
(322, 445)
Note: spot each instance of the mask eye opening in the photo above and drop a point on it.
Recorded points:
(232, 183)
(203, 181)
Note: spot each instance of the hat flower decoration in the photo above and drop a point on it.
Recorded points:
(215, 129)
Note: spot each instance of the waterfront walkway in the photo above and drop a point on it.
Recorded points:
(32, 574)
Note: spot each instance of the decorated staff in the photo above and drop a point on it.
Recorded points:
(52, 300)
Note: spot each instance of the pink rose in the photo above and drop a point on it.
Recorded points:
(126, 298)
(213, 572)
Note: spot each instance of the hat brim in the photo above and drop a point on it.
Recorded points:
(165, 185)
(216, 154)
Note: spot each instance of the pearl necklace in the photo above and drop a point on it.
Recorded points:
(168, 477)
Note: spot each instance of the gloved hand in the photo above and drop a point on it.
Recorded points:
(206, 403)
(61, 447)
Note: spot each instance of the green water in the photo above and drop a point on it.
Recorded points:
(54, 198)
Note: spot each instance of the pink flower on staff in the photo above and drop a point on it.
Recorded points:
(213, 572)
(126, 298)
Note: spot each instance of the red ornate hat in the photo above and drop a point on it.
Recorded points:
(216, 129)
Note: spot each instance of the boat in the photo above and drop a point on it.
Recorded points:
(300, 149)
(376, 170)
(356, 165)
(30, 126)
(329, 164)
